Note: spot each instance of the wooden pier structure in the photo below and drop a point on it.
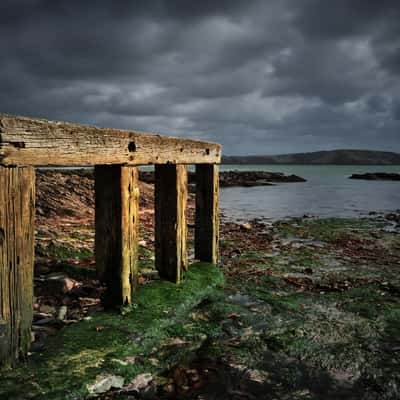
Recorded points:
(115, 154)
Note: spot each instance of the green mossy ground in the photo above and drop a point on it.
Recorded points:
(62, 252)
(114, 342)
(317, 320)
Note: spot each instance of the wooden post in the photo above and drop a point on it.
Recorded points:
(170, 220)
(17, 230)
(207, 200)
(116, 238)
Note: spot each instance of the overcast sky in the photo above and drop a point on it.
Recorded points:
(260, 77)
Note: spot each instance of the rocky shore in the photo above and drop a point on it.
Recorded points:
(305, 308)
(377, 176)
(238, 178)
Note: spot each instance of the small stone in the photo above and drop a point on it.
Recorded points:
(180, 377)
(44, 308)
(176, 341)
(62, 313)
(149, 273)
(104, 383)
(257, 375)
(44, 321)
(120, 362)
(37, 347)
(169, 388)
(41, 269)
(246, 226)
(55, 323)
(140, 383)
(193, 375)
(59, 283)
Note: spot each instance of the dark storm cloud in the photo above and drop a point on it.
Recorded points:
(257, 76)
(343, 18)
(396, 110)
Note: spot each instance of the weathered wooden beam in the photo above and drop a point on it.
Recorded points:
(17, 229)
(25, 141)
(170, 221)
(207, 202)
(116, 237)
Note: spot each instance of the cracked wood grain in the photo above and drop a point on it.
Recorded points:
(26, 141)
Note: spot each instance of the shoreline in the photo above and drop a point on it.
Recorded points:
(294, 305)
(300, 292)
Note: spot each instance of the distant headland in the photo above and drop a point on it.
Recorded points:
(332, 157)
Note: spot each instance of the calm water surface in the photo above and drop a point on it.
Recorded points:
(327, 193)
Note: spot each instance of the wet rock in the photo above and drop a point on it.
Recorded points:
(84, 291)
(242, 299)
(104, 383)
(47, 309)
(41, 269)
(62, 313)
(140, 383)
(44, 321)
(169, 388)
(271, 255)
(235, 253)
(49, 322)
(267, 235)
(149, 273)
(245, 227)
(180, 377)
(58, 283)
(238, 178)
(255, 178)
(193, 376)
(257, 376)
(393, 217)
(376, 176)
(40, 315)
(37, 347)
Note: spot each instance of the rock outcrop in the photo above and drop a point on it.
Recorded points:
(238, 178)
(377, 176)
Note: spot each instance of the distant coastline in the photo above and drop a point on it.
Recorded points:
(331, 157)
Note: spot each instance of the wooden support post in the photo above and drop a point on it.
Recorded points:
(116, 222)
(170, 220)
(17, 230)
(207, 200)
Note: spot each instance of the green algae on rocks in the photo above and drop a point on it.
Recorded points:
(142, 340)
(307, 309)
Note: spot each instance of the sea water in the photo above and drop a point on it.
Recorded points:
(328, 192)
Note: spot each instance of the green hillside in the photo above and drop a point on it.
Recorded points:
(335, 157)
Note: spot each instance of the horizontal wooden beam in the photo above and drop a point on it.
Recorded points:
(25, 141)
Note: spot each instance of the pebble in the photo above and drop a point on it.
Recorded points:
(57, 283)
(246, 226)
(104, 383)
(47, 309)
(62, 313)
(139, 383)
